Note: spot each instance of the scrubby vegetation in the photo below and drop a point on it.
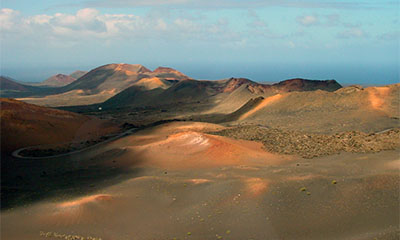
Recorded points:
(314, 145)
(66, 236)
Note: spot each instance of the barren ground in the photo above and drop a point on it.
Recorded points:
(175, 181)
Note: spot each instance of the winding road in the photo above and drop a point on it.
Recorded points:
(17, 152)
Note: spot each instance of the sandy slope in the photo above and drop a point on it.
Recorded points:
(371, 109)
(195, 186)
(185, 145)
(74, 97)
(263, 104)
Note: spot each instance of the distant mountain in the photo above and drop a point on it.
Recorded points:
(229, 93)
(181, 92)
(113, 77)
(185, 91)
(296, 84)
(299, 84)
(234, 83)
(102, 83)
(166, 72)
(108, 81)
(9, 84)
(11, 88)
(238, 91)
(58, 80)
(77, 74)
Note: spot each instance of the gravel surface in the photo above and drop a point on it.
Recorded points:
(314, 145)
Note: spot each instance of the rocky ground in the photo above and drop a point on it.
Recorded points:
(313, 145)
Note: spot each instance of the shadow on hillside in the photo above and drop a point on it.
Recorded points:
(25, 182)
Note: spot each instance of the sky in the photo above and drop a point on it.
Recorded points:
(353, 42)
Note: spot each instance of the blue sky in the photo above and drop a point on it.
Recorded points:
(265, 40)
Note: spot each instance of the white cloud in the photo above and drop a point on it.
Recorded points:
(87, 14)
(62, 29)
(307, 20)
(40, 19)
(185, 24)
(161, 25)
(86, 23)
(89, 24)
(352, 33)
(329, 20)
(85, 20)
(8, 18)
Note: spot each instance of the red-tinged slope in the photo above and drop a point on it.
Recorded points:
(24, 124)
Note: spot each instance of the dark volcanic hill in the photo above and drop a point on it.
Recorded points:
(299, 84)
(11, 88)
(11, 85)
(185, 91)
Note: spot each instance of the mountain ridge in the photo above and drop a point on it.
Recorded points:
(58, 80)
(107, 81)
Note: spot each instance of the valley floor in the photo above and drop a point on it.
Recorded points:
(174, 181)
